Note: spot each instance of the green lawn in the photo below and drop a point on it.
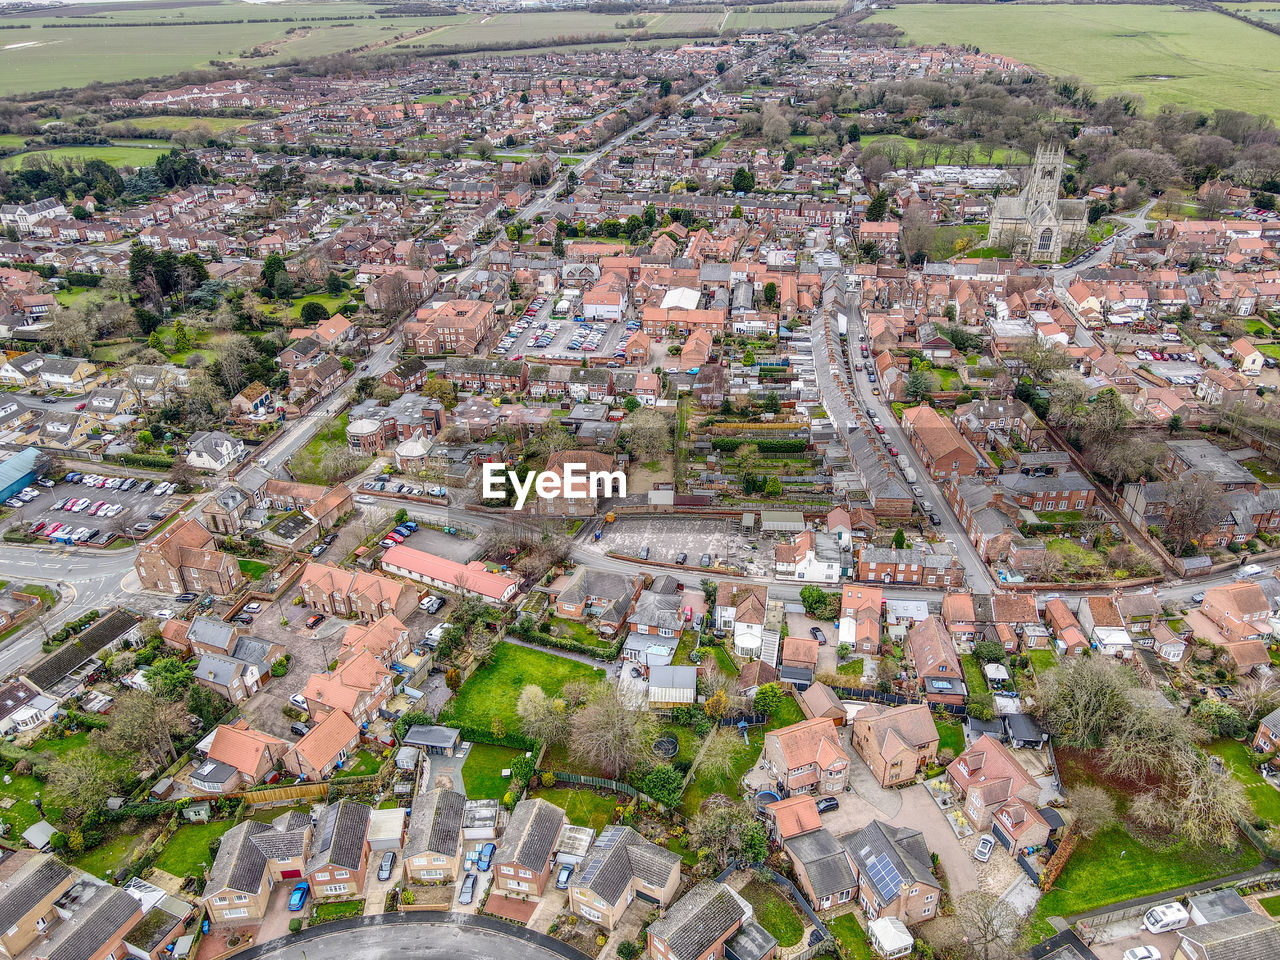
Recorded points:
(973, 676)
(579, 632)
(188, 849)
(114, 854)
(846, 929)
(337, 910)
(1097, 874)
(1262, 471)
(1042, 660)
(492, 690)
(294, 310)
(1271, 905)
(705, 783)
(254, 569)
(688, 740)
(583, 807)
(950, 737)
(1241, 760)
(482, 772)
(114, 155)
(22, 814)
(306, 463)
(363, 764)
(48, 597)
(1166, 54)
(1001, 156)
(854, 668)
(774, 912)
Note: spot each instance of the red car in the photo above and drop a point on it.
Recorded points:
(893, 451)
(81, 405)
(879, 428)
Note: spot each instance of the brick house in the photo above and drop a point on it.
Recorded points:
(988, 776)
(807, 757)
(339, 854)
(184, 559)
(620, 867)
(344, 592)
(892, 868)
(895, 742)
(944, 451)
(522, 863)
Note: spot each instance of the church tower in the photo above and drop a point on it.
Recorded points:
(1046, 175)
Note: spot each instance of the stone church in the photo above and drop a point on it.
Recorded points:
(1036, 224)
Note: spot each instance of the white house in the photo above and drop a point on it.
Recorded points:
(214, 450)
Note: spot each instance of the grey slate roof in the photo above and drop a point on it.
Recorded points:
(620, 854)
(435, 826)
(698, 919)
(35, 881)
(901, 847)
(339, 838)
(1249, 936)
(219, 670)
(93, 925)
(531, 835)
(825, 862)
(240, 864)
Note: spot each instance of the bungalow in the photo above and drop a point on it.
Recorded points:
(471, 579)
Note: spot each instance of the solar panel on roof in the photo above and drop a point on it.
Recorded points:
(607, 840)
(885, 876)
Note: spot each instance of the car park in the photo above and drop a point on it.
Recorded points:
(681, 557)
(254, 607)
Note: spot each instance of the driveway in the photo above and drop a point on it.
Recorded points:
(275, 922)
(375, 890)
(909, 807)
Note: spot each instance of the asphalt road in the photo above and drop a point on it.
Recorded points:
(833, 401)
(426, 939)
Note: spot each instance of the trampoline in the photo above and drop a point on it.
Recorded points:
(666, 747)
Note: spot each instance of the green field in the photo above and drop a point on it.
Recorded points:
(216, 124)
(117, 156)
(188, 849)
(751, 20)
(1240, 760)
(1166, 54)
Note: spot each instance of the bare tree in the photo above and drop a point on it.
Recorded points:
(1146, 736)
(1094, 810)
(1082, 699)
(607, 735)
(143, 725)
(1196, 506)
(1198, 803)
(81, 780)
(991, 926)
(542, 717)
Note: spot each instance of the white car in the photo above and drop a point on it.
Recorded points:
(165, 614)
(299, 701)
(363, 499)
(1142, 953)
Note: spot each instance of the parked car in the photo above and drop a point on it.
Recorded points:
(935, 519)
(468, 889)
(1197, 597)
(388, 862)
(299, 701)
(827, 804)
(299, 729)
(681, 557)
(1142, 953)
(485, 860)
(434, 604)
(986, 843)
(242, 618)
(315, 620)
(562, 878)
(185, 597)
(299, 896)
(319, 549)
(254, 607)
(705, 561)
(818, 635)
(644, 553)
(165, 614)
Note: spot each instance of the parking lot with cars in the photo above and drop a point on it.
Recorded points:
(534, 336)
(91, 508)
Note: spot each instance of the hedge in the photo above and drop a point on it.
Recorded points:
(729, 444)
(154, 461)
(574, 646)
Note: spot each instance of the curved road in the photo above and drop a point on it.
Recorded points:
(420, 936)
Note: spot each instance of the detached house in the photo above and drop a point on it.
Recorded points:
(807, 757)
(184, 559)
(340, 850)
(252, 858)
(932, 656)
(432, 849)
(710, 922)
(892, 868)
(988, 776)
(620, 867)
(896, 743)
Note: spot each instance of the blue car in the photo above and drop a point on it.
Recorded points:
(409, 525)
(485, 859)
(299, 895)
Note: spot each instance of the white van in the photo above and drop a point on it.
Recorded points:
(1165, 917)
(1250, 570)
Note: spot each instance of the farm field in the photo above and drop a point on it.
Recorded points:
(216, 124)
(1167, 55)
(117, 156)
(752, 20)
